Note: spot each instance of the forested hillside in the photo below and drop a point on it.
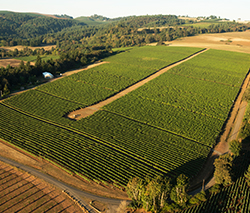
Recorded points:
(34, 30)
(81, 43)
(14, 27)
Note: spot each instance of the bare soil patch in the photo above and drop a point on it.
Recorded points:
(24, 193)
(12, 62)
(84, 112)
(232, 41)
(48, 168)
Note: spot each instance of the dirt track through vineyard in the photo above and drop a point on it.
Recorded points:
(230, 132)
(84, 112)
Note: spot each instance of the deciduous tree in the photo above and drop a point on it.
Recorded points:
(223, 167)
(235, 147)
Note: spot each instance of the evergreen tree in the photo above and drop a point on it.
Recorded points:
(6, 90)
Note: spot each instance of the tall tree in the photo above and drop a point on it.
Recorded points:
(153, 190)
(135, 188)
(223, 167)
(179, 191)
(165, 191)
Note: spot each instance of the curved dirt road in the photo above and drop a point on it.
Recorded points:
(74, 192)
(84, 112)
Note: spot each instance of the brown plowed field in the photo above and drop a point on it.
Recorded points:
(21, 192)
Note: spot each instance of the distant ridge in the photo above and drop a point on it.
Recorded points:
(37, 14)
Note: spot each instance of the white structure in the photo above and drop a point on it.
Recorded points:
(47, 75)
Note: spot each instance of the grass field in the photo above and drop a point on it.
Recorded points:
(33, 58)
(201, 24)
(165, 127)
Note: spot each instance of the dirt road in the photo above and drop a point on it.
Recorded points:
(76, 193)
(84, 112)
(230, 133)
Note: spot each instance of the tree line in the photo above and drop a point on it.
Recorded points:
(162, 194)
(22, 29)
(12, 78)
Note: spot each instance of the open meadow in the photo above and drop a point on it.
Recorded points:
(167, 126)
(230, 41)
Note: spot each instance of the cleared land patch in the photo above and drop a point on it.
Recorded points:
(24, 193)
(9, 61)
(232, 41)
(33, 58)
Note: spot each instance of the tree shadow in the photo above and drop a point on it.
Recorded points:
(229, 198)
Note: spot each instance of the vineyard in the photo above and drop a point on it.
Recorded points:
(233, 198)
(99, 83)
(195, 108)
(21, 192)
(166, 126)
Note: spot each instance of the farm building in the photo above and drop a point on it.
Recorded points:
(47, 75)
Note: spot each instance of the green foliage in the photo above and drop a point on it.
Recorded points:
(74, 150)
(223, 167)
(20, 76)
(215, 188)
(6, 90)
(135, 188)
(26, 26)
(235, 147)
(52, 101)
(196, 105)
(232, 198)
(198, 198)
(179, 191)
(247, 176)
(33, 58)
(246, 95)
